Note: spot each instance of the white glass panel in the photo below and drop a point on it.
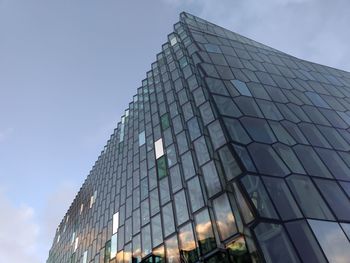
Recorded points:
(76, 243)
(85, 257)
(158, 145)
(115, 222)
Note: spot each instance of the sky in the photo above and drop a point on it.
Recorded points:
(68, 69)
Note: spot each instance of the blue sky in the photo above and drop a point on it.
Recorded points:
(68, 69)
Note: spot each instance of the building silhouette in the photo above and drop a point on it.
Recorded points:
(231, 151)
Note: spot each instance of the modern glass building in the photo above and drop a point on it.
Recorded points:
(230, 151)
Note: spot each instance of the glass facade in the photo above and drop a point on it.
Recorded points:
(230, 151)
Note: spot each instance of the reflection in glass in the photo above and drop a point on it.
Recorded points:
(225, 219)
(332, 240)
(275, 244)
(114, 240)
(172, 250)
(204, 232)
(238, 251)
(188, 250)
(259, 196)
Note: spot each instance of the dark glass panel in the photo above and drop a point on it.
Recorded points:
(204, 232)
(229, 163)
(266, 160)
(335, 197)
(308, 197)
(258, 129)
(305, 242)
(275, 243)
(282, 198)
(195, 193)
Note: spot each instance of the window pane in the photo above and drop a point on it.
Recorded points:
(188, 248)
(258, 129)
(305, 242)
(258, 196)
(275, 244)
(142, 138)
(211, 178)
(241, 87)
(172, 250)
(201, 149)
(230, 165)
(335, 197)
(332, 240)
(225, 220)
(204, 232)
(146, 240)
(238, 251)
(308, 198)
(158, 145)
(195, 192)
(161, 167)
(164, 121)
(282, 198)
(115, 222)
(168, 219)
(157, 232)
(114, 245)
(236, 131)
(181, 207)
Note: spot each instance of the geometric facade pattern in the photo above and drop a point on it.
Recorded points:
(230, 151)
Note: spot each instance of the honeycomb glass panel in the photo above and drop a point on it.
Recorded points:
(332, 240)
(308, 198)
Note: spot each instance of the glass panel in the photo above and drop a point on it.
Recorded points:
(305, 242)
(238, 251)
(275, 244)
(107, 251)
(204, 232)
(164, 121)
(114, 245)
(158, 145)
(289, 157)
(312, 163)
(195, 192)
(162, 167)
(230, 165)
(216, 134)
(146, 240)
(332, 240)
(211, 178)
(188, 250)
(157, 232)
(259, 196)
(85, 257)
(212, 48)
(226, 106)
(159, 254)
(172, 250)
(334, 163)
(308, 198)
(282, 198)
(168, 219)
(335, 197)
(241, 87)
(258, 129)
(201, 149)
(225, 220)
(181, 207)
(115, 222)
(236, 131)
(316, 99)
(142, 138)
(266, 160)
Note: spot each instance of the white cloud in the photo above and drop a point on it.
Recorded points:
(18, 232)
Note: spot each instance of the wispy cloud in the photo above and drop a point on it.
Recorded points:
(5, 134)
(19, 232)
